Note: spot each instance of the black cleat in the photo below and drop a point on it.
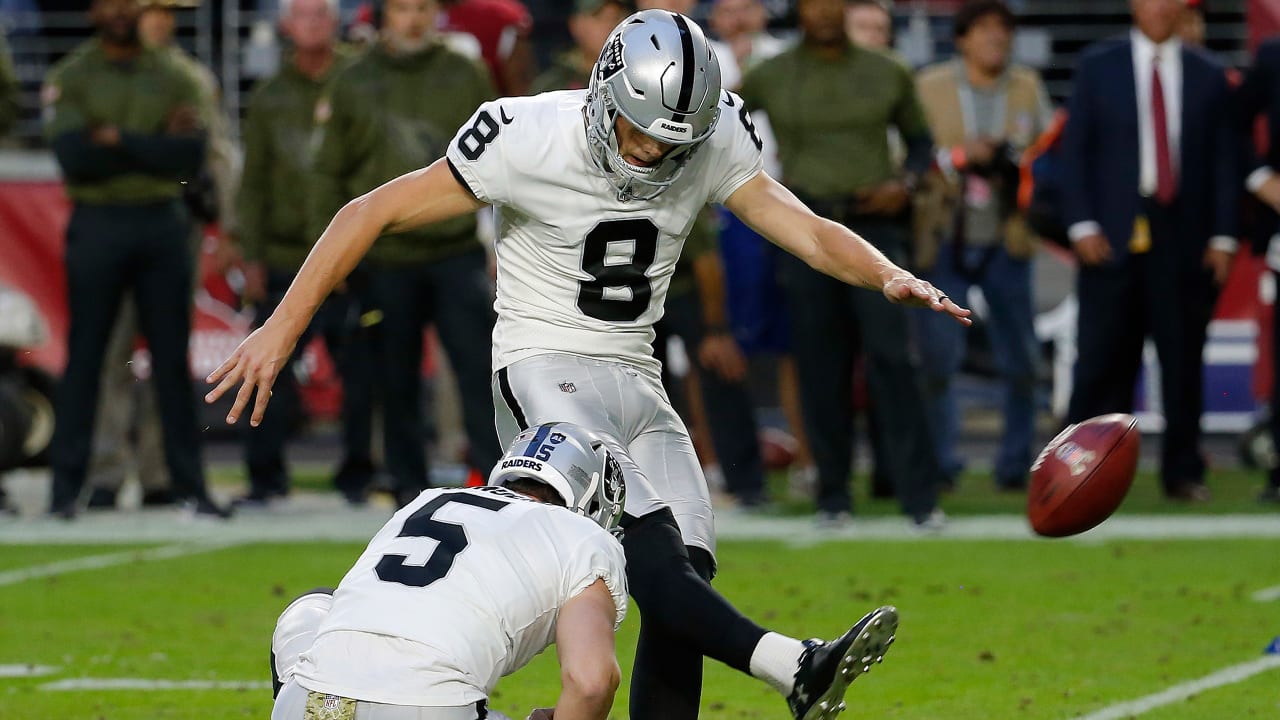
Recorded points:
(827, 668)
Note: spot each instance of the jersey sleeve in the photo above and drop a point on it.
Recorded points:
(739, 159)
(478, 156)
(599, 557)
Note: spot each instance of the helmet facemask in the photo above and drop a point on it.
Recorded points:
(632, 181)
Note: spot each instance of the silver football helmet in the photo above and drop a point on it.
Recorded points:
(575, 463)
(658, 70)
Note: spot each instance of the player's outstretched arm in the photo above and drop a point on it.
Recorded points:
(418, 198)
(589, 674)
(829, 247)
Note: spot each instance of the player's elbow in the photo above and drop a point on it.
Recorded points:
(363, 212)
(593, 684)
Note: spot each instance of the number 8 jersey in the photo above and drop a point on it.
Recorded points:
(580, 271)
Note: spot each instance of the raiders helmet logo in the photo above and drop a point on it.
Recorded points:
(611, 62)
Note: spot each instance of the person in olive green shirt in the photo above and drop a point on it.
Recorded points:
(394, 111)
(589, 25)
(831, 104)
(279, 134)
(123, 122)
(8, 89)
(127, 429)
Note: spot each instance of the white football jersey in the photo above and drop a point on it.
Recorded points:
(459, 588)
(580, 271)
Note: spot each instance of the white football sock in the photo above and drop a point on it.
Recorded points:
(775, 661)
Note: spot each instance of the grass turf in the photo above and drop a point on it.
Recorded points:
(1033, 629)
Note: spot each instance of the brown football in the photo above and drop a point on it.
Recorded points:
(1082, 475)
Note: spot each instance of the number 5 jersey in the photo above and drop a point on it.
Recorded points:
(458, 589)
(580, 271)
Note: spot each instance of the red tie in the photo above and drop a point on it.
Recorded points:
(1166, 185)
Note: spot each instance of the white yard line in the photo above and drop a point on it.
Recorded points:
(324, 518)
(96, 562)
(21, 671)
(75, 684)
(1270, 594)
(1178, 693)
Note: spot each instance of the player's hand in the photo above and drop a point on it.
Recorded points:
(1093, 249)
(907, 289)
(542, 714)
(887, 198)
(1269, 193)
(255, 364)
(720, 354)
(1219, 263)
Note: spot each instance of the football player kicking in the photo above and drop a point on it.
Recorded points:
(464, 586)
(597, 190)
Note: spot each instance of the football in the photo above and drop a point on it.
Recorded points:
(1082, 475)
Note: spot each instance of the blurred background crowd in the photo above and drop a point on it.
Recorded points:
(1093, 177)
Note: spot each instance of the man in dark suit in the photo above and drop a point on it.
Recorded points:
(1261, 94)
(1150, 199)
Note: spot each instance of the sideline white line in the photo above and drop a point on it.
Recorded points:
(96, 562)
(25, 670)
(143, 684)
(1270, 594)
(325, 519)
(1225, 676)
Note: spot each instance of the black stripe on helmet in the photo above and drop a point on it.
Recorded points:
(688, 71)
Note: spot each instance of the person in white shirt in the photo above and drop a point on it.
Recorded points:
(1150, 190)
(597, 191)
(464, 586)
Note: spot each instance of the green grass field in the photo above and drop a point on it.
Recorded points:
(1019, 629)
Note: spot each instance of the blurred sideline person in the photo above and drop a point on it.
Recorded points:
(279, 130)
(593, 218)
(127, 430)
(869, 23)
(125, 125)
(501, 28)
(463, 587)
(1260, 95)
(1150, 197)
(718, 399)
(757, 309)
(389, 112)
(589, 24)
(860, 93)
(740, 24)
(983, 112)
